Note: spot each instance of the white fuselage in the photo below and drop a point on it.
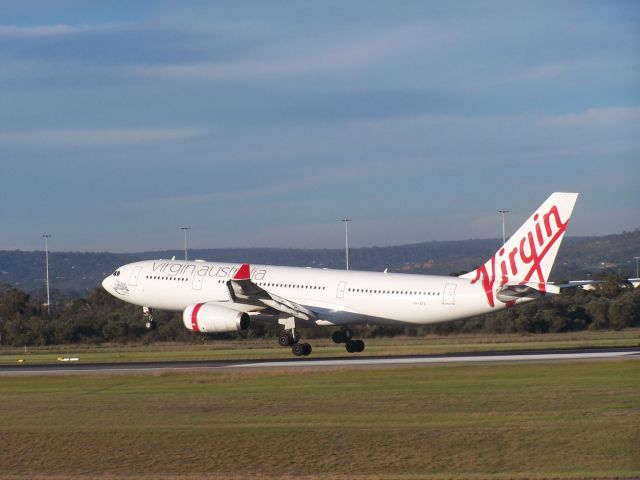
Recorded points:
(218, 297)
(338, 297)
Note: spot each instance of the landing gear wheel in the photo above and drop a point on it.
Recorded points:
(301, 349)
(342, 336)
(355, 346)
(338, 336)
(285, 340)
(150, 324)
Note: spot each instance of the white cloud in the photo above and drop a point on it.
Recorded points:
(332, 55)
(43, 30)
(114, 138)
(239, 194)
(447, 141)
(392, 147)
(569, 69)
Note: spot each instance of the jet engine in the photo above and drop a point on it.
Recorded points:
(212, 318)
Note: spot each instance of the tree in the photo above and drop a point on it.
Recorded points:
(598, 313)
(624, 311)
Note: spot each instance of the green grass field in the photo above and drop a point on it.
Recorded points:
(268, 348)
(521, 421)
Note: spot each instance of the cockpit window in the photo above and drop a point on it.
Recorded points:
(116, 273)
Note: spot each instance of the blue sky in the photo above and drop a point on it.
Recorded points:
(264, 123)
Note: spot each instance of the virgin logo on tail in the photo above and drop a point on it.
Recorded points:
(522, 258)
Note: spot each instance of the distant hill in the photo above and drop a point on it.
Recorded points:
(76, 273)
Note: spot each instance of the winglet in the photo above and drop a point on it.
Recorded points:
(243, 273)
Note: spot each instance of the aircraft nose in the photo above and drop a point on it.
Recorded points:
(105, 284)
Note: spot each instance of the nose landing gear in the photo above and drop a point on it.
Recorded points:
(150, 323)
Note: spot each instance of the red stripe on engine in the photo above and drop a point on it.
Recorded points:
(194, 317)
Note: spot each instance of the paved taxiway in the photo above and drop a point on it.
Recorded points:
(353, 361)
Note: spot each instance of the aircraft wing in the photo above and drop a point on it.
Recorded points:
(582, 283)
(243, 290)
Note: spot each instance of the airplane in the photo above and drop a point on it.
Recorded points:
(224, 297)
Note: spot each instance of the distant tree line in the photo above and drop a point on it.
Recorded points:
(76, 274)
(101, 318)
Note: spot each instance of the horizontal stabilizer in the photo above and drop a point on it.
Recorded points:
(510, 292)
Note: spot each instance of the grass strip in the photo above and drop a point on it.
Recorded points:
(533, 421)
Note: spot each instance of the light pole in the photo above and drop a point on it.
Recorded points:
(637, 258)
(346, 239)
(46, 257)
(504, 240)
(185, 229)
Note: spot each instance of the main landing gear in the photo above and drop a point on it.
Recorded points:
(150, 323)
(345, 335)
(292, 339)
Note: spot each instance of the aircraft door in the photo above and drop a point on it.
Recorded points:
(341, 288)
(448, 297)
(197, 281)
(133, 278)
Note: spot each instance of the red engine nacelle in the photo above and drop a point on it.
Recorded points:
(212, 318)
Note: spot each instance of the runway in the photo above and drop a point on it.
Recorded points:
(333, 362)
